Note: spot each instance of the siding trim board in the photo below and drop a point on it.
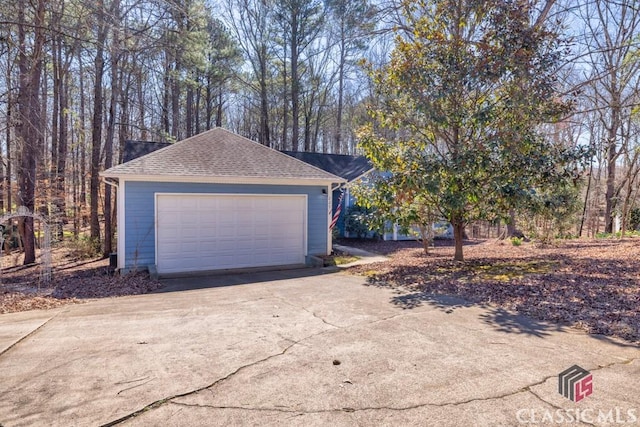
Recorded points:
(121, 209)
(222, 180)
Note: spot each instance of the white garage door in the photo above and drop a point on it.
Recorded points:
(211, 232)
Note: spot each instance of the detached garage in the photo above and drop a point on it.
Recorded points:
(220, 201)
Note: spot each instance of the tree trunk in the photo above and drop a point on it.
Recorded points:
(166, 83)
(7, 176)
(609, 195)
(307, 125)
(512, 230)
(96, 134)
(82, 143)
(458, 235)
(61, 165)
(29, 125)
(426, 239)
(285, 99)
(208, 103)
(295, 84)
(175, 101)
(219, 111)
(75, 178)
(612, 154)
(265, 137)
(631, 176)
(56, 66)
(189, 111)
(141, 106)
(198, 123)
(116, 84)
(337, 148)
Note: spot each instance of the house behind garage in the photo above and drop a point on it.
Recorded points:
(220, 201)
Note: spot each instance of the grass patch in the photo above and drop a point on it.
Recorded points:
(507, 271)
(339, 259)
(628, 233)
(502, 271)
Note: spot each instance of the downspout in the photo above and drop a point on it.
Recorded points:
(111, 183)
(114, 184)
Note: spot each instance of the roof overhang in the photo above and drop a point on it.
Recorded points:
(226, 179)
(359, 177)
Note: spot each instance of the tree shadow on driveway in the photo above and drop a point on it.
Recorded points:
(555, 292)
(498, 318)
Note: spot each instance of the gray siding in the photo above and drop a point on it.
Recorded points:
(140, 214)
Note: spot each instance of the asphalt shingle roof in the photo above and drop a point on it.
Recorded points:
(342, 165)
(220, 153)
(134, 149)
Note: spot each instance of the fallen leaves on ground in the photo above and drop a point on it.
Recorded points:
(73, 281)
(590, 284)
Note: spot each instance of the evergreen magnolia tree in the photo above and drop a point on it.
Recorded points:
(457, 127)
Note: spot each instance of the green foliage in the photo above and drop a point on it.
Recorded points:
(187, 32)
(551, 213)
(634, 219)
(617, 235)
(223, 53)
(516, 241)
(340, 259)
(353, 21)
(463, 98)
(359, 221)
(391, 206)
(84, 247)
(335, 233)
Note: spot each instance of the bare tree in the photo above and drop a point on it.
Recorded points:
(29, 127)
(250, 22)
(612, 29)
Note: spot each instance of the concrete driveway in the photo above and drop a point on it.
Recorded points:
(292, 348)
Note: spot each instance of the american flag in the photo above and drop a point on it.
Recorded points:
(336, 215)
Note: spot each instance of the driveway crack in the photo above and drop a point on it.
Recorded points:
(313, 313)
(555, 406)
(30, 334)
(170, 399)
(525, 389)
(160, 402)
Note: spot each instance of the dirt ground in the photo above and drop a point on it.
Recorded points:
(73, 281)
(593, 285)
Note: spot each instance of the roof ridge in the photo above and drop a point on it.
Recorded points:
(280, 153)
(219, 152)
(325, 154)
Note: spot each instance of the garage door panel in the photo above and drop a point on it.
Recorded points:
(209, 203)
(209, 232)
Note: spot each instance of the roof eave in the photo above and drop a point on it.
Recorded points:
(359, 177)
(226, 179)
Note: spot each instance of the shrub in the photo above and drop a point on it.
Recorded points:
(634, 219)
(357, 221)
(551, 214)
(83, 247)
(516, 241)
